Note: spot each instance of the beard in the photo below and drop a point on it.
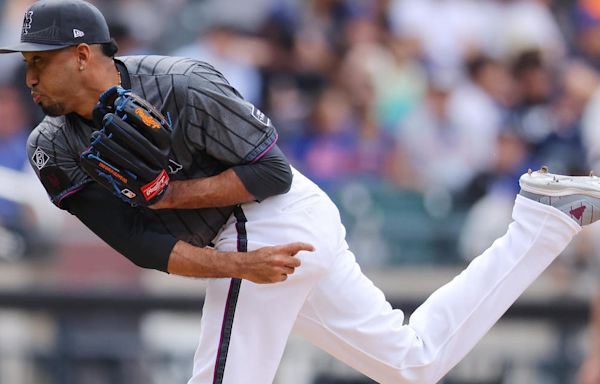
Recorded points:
(53, 110)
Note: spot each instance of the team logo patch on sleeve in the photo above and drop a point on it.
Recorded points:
(40, 158)
(260, 116)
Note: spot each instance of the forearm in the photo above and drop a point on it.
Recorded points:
(188, 260)
(119, 225)
(270, 175)
(122, 227)
(222, 190)
(264, 265)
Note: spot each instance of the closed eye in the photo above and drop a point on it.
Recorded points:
(34, 60)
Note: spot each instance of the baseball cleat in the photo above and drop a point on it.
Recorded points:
(576, 196)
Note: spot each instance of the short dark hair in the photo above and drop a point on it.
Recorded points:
(110, 49)
(527, 61)
(476, 64)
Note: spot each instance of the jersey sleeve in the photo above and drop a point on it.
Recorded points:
(224, 125)
(140, 238)
(55, 164)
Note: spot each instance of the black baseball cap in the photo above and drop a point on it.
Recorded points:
(56, 24)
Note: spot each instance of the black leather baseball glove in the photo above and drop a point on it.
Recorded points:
(129, 154)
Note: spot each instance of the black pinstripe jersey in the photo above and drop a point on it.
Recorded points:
(213, 129)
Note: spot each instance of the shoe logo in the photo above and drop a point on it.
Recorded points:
(578, 212)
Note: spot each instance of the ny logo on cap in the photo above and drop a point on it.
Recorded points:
(27, 20)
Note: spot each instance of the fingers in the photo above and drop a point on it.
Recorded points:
(280, 274)
(276, 277)
(297, 247)
(286, 273)
(288, 251)
(294, 248)
(289, 268)
(292, 262)
(276, 263)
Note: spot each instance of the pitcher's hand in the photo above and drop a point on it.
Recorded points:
(271, 264)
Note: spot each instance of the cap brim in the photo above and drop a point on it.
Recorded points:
(31, 47)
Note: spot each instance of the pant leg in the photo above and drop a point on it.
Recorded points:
(263, 315)
(347, 316)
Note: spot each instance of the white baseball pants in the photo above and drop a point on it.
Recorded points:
(330, 302)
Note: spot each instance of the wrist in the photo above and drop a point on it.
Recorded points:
(235, 264)
(226, 264)
(167, 199)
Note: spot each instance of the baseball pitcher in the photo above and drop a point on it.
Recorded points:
(164, 160)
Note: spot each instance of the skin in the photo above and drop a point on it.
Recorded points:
(222, 190)
(70, 80)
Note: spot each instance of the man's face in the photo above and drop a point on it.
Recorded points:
(52, 78)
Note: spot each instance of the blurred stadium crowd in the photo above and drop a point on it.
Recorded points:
(451, 100)
(444, 102)
(417, 116)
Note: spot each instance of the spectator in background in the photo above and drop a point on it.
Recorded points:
(448, 30)
(476, 109)
(128, 43)
(328, 18)
(490, 193)
(326, 153)
(11, 18)
(315, 56)
(512, 156)
(235, 55)
(582, 84)
(427, 135)
(553, 139)
(514, 26)
(586, 29)
(285, 99)
(363, 66)
(394, 78)
(302, 66)
(532, 112)
(561, 149)
(14, 221)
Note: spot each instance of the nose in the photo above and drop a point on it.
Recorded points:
(31, 78)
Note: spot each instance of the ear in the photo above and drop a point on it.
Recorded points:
(84, 55)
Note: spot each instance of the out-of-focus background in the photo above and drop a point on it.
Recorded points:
(416, 116)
